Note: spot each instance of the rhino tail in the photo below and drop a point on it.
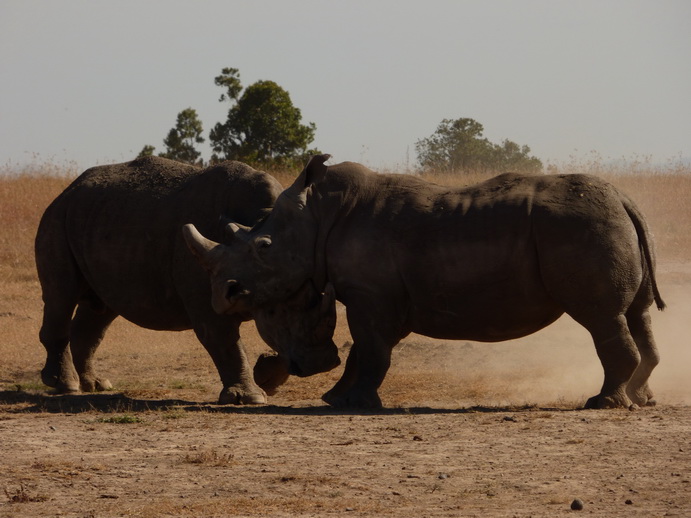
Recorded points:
(645, 242)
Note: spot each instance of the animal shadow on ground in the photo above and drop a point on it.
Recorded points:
(25, 402)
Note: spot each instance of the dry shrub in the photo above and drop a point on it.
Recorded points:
(22, 496)
(209, 457)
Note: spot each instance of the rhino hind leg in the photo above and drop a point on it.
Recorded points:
(640, 327)
(59, 372)
(618, 353)
(88, 328)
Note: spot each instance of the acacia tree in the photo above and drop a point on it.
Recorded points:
(262, 126)
(458, 145)
(181, 140)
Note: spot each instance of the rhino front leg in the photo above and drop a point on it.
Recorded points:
(375, 333)
(346, 381)
(222, 341)
(371, 367)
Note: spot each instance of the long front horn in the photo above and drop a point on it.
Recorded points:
(200, 246)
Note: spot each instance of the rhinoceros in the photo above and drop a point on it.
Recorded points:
(491, 262)
(112, 244)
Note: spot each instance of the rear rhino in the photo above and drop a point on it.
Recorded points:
(111, 244)
(490, 262)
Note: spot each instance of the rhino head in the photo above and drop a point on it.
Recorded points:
(267, 270)
(269, 262)
(299, 328)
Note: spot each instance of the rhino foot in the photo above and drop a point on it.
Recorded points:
(241, 395)
(49, 379)
(67, 388)
(96, 385)
(643, 397)
(61, 386)
(353, 399)
(601, 402)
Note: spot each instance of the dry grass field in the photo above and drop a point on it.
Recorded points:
(470, 429)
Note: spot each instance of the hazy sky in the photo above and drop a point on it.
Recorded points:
(94, 81)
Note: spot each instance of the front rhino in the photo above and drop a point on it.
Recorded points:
(501, 259)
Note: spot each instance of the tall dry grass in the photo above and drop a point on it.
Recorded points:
(159, 364)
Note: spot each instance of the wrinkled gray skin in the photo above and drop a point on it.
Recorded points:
(111, 244)
(491, 262)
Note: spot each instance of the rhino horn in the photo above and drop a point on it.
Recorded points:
(201, 247)
(235, 230)
(231, 229)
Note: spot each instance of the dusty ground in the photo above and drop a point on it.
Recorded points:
(470, 430)
(311, 461)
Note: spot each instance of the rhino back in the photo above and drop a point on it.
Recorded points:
(122, 224)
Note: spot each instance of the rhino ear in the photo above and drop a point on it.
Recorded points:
(200, 247)
(314, 172)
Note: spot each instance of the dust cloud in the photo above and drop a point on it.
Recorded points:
(672, 329)
(557, 365)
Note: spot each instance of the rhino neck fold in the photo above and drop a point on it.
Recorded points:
(324, 207)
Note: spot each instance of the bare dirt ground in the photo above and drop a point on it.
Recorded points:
(311, 461)
(469, 430)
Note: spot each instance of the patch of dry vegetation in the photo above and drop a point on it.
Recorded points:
(22, 495)
(209, 457)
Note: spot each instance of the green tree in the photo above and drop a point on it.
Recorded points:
(230, 80)
(458, 145)
(509, 156)
(262, 126)
(146, 151)
(181, 140)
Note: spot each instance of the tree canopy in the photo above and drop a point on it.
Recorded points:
(181, 140)
(262, 126)
(458, 146)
